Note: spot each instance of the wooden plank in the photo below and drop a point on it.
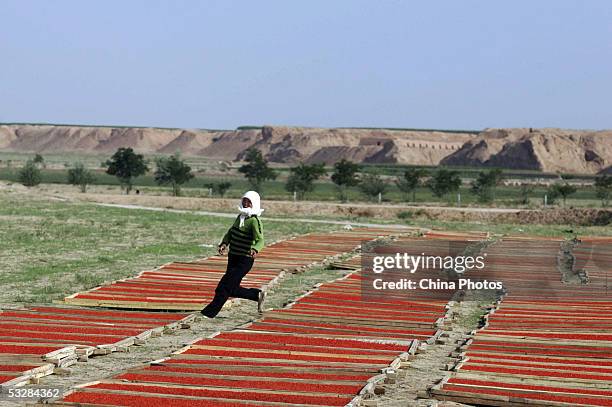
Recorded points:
(214, 388)
(237, 377)
(343, 364)
(349, 321)
(288, 352)
(534, 380)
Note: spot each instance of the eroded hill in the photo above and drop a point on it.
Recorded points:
(550, 150)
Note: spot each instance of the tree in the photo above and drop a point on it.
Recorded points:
(524, 192)
(219, 187)
(344, 176)
(372, 185)
(256, 169)
(81, 176)
(411, 181)
(484, 185)
(126, 165)
(302, 178)
(29, 175)
(172, 171)
(563, 190)
(39, 160)
(443, 182)
(603, 189)
(551, 195)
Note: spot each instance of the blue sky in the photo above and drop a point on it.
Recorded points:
(220, 64)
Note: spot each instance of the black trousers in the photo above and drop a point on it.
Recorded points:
(229, 285)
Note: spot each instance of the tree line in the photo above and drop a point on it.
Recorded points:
(442, 182)
(172, 171)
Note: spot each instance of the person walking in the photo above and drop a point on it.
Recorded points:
(245, 240)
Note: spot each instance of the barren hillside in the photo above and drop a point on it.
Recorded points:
(550, 150)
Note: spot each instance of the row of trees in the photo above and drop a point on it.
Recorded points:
(302, 178)
(126, 165)
(441, 182)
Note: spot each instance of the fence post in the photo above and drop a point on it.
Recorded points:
(379, 197)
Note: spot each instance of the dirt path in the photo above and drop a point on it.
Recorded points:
(430, 364)
(102, 194)
(285, 206)
(233, 215)
(355, 211)
(300, 208)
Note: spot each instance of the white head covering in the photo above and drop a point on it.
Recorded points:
(254, 210)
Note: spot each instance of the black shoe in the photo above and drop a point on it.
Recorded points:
(260, 301)
(206, 315)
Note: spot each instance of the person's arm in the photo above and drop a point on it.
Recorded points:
(226, 237)
(225, 241)
(258, 236)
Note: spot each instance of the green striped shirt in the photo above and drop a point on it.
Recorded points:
(242, 239)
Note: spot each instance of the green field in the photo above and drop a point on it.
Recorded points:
(209, 171)
(324, 190)
(51, 249)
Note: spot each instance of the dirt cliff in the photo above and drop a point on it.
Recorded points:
(550, 150)
(278, 143)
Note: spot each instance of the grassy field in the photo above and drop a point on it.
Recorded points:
(94, 161)
(209, 171)
(51, 249)
(325, 190)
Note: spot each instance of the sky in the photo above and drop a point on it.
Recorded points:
(343, 63)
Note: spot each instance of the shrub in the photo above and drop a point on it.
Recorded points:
(372, 185)
(80, 176)
(173, 171)
(30, 175)
(344, 176)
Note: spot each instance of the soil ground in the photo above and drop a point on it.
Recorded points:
(430, 364)
(411, 214)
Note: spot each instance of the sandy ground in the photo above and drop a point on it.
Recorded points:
(280, 207)
(430, 364)
(552, 216)
(231, 215)
(347, 211)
